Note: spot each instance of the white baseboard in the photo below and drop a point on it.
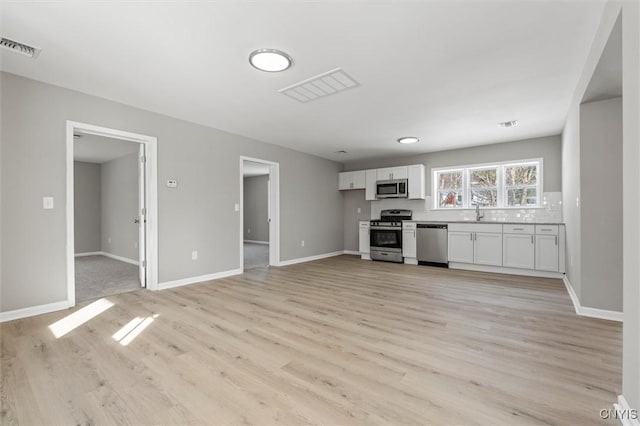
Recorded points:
(33, 310)
(625, 412)
(121, 258)
(198, 279)
(310, 258)
(352, 252)
(257, 242)
(587, 311)
(504, 270)
(112, 256)
(89, 253)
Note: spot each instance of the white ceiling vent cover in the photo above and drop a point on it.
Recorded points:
(20, 48)
(325, 84)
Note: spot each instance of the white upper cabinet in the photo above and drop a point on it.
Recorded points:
(391, 173)
(416, 182)
(370, 177)
(366, 179)
(351, 180)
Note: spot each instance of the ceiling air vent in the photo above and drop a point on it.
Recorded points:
(325, 84)
(20, 48)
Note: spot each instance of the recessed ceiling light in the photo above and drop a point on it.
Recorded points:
(508, 123)
(342, 151)
(408, 139)
(270, 60)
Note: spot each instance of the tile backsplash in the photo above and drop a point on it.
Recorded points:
(423, 210)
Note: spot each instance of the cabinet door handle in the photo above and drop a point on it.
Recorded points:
(556, 240)
(471, 236)
(518, 229)
(532, 239)
(414, 233)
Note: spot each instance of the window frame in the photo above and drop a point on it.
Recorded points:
(501, 183)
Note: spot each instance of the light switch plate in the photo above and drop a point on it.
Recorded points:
(47, 202)
(172, 183)
(236, 207)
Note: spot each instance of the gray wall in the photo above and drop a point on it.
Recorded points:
(548, 148)
(601, 212)
(354, 200)
(571, 197)
(198, 215)
(631, 173)
(256, 208)
(87, 207)
(120, 207)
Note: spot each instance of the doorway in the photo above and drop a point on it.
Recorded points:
(259, 213)
(111, 212)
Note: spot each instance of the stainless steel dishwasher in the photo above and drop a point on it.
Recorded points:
(432, 244)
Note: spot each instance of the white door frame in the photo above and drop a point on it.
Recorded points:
(274, 214)
(151, 185)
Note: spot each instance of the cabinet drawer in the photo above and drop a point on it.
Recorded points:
(364, 224)
(547, 229)
(408, 225)
(518, 229)
(475, 227)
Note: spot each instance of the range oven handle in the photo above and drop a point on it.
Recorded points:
(386, 228)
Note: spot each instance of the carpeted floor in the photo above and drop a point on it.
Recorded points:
(98, 276)
(256, 255)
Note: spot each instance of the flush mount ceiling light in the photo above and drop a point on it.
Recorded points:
(511, 123)
(270, 60)
(408, 139)
(342, 151)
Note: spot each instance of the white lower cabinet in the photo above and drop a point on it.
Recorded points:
(409, 246)
(547, 253)
(475, 243)
(461, 246)
(487, 249)
(363, 240)
(518, 251)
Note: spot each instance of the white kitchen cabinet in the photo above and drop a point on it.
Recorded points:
(518, 251)
(487, 248)
(479, 244)
(390, 173)
(370, 176)
(364, 242)
(416, 182)
(461, 246)
(351, 180)
(409, 249)
(547, 252)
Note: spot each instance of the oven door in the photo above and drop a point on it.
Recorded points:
(384, 237)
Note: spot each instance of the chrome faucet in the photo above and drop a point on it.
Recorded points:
(478, 215)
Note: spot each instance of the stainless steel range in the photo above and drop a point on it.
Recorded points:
(386, 235)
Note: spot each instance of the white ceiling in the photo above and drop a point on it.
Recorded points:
(446, 71)
(250, 169)
(100, 149)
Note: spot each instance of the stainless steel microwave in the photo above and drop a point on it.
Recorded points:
(396, 188)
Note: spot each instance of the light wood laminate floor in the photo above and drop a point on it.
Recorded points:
(335, 341)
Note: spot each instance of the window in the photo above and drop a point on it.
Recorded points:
(514, 184)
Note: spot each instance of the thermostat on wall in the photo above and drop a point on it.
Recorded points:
(172, 183)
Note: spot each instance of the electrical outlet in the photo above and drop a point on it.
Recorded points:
(248, 230)
(47, 203)
(359, 210)
(302, 243)
(194, 255)
(236, 207)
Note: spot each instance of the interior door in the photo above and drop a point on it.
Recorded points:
(142, 218)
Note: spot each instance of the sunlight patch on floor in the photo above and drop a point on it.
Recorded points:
(132, 329)
(79, 317)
